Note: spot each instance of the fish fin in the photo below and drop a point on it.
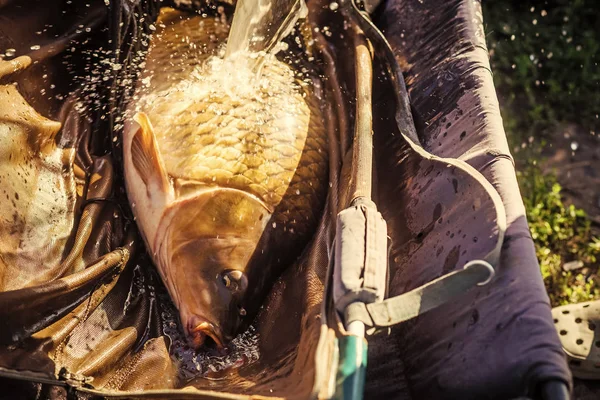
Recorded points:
(145, 156)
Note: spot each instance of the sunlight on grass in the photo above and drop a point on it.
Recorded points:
(561, 234)
(545, 59)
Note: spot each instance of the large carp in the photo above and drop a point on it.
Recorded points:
(226, 174)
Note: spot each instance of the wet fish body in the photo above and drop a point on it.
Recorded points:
(227, 179)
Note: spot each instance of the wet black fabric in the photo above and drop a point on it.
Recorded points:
(499, 341)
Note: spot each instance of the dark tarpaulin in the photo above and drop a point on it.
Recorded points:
(499, 341)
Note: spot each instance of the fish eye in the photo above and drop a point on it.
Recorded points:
(234, 280)
(226, 280)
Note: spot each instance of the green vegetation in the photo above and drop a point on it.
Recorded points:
(561, 234)
(545, 60)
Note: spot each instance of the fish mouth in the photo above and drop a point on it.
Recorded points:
(199, 332)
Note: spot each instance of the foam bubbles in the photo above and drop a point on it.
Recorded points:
(242, 350)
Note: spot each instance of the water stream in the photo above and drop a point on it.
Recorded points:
(259, 26)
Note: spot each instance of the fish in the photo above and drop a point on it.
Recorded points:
(226, 174)
(37, 191)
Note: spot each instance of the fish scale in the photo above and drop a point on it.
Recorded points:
(222, 141)
(201, 145)
(227, 170)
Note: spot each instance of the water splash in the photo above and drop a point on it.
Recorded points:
(259, 26)
(221, 83)
(242, 350)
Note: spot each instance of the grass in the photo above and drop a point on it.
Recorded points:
(561, 234)
(545, 55)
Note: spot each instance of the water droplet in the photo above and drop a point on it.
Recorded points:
(35, 47)
(574, 146)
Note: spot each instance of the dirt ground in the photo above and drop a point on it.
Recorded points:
(574, 156)
(586, 390)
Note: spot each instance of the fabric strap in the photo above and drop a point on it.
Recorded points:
(406, 306)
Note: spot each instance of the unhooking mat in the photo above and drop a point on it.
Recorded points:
(101, 321)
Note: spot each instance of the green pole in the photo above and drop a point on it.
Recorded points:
(350, 380)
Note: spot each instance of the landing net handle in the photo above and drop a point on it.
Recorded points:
(360, 259)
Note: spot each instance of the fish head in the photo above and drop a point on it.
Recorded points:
(210, 282)
(206, 259)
